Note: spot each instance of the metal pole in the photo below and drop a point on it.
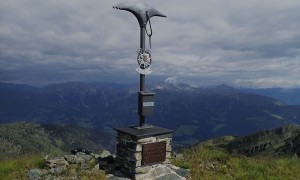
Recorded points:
(142, 77)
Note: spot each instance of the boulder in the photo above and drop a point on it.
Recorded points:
(104, 154)
(34, 174)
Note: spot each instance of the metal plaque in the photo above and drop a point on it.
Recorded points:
(154, 153)
(148, 104)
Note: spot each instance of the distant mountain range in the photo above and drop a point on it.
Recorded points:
(194, 113)
(289, 95)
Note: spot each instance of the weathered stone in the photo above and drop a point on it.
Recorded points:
(57, 162)
(104, 154)
(168, 155)
(84, 166)
(34, 174)
(170, 177)
(84, 156)
(70, 158)
(180, 171)
(165, 136)
(129, 154)
(79, 160)
(112, 177)
(147, 140)
(142, 170)
(139, 148)
(167, 161)
(96, 156)
(168, 147)
(161, 172)
(57, 170)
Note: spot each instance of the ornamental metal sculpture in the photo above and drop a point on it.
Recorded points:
(143, 12)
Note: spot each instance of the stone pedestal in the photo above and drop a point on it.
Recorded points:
(139, 150)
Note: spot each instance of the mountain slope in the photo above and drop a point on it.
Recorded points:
(30, 138)
(279, 141)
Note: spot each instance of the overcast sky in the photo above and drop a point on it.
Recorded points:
(243, 43)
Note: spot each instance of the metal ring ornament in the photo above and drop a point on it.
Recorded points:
(144, 59)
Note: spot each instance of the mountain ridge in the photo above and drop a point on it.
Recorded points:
(282, 141)
(194, 113)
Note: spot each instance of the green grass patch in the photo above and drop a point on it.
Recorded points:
(215, 163)
(17, 168)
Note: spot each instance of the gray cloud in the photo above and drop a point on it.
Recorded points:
(242, 43)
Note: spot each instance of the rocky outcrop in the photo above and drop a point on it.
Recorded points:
(83, 164)
(72, 166)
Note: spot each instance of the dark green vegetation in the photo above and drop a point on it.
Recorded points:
(196, 114)
(16, 168)
(228, 157)
(23, 138)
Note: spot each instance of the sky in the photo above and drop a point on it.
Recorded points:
(249, 43)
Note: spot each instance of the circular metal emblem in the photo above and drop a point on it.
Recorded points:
(144, 59)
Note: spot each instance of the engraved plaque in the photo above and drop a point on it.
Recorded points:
(154, 153)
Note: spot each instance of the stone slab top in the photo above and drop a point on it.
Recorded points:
(140, 132)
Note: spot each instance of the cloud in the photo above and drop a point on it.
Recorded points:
(243, 43)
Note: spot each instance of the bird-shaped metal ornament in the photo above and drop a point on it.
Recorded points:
(142, 11)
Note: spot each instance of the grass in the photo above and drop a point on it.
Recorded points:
(17, 168)
(214, 163)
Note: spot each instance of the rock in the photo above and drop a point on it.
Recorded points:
(84, 156)
(161, 172)
(84, 166)
(112, 177)
(70, 158)
(57, 162)
(96, 156)
(180, 171)
(57, 170)
(34, 174)
(169, 177)
(79, 160)
(104, 154)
